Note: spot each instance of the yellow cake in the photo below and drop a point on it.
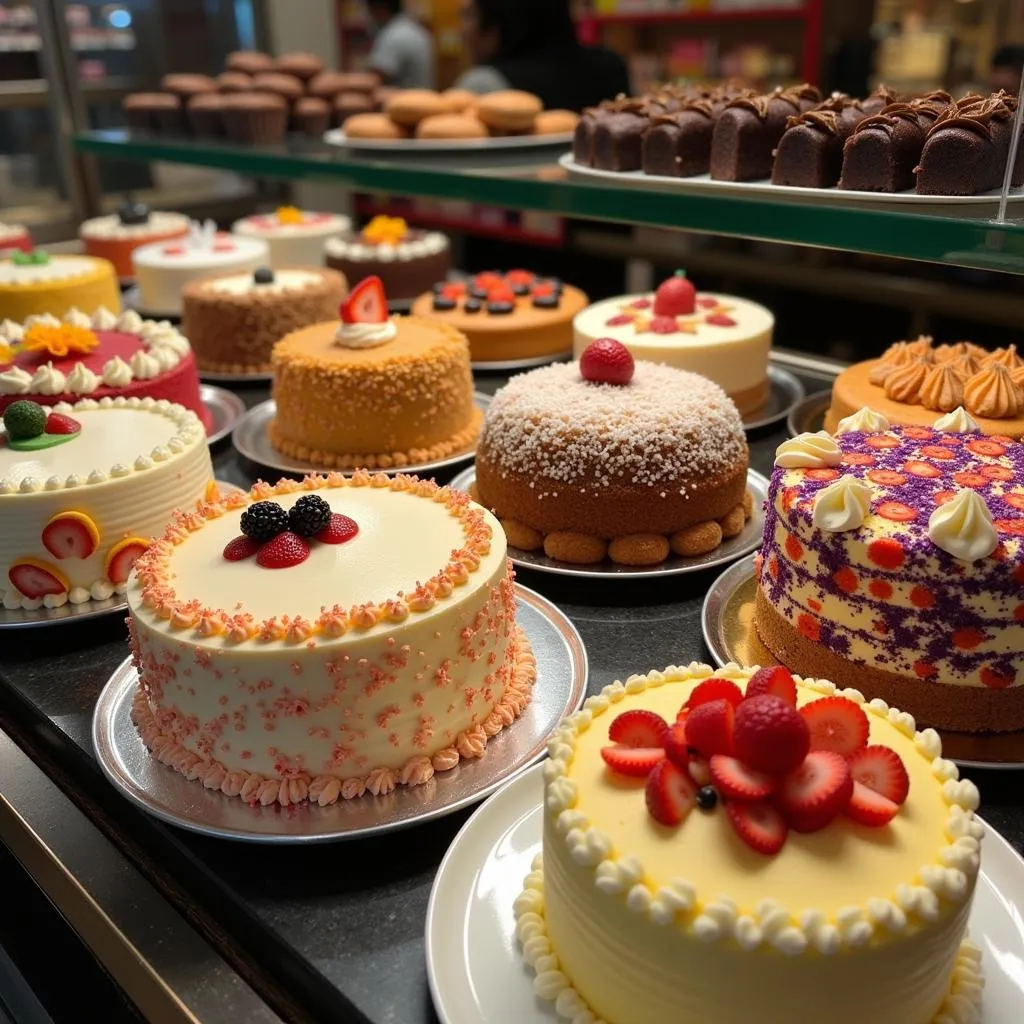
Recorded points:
(631, 922)
(36, 284)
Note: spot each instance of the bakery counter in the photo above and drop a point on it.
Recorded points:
(330, 932)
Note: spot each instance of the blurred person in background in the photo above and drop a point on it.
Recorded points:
(1007, 65)
(532, 45)
(403, 50)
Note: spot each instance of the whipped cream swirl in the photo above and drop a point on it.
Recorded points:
(863, 421)
(366, 335)
(843, 505)
(963, 527)
(956, 422)
(808, 451)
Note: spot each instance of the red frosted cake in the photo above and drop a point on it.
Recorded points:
(100, 356)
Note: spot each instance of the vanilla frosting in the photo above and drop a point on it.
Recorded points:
(81, 380)
(956, 422)
(116, 373)
(865, 421)
(111, 227)
(59, 268)
(808, 451)
(47, 380)
(144, 366)
(842, 505)
(284, 281)
(963, 527)
(360, 251)
(15, 381)
(366, 335)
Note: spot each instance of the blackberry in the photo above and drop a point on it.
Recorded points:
(309, 515)
(264, 521)
(707, 797)
(263, 275)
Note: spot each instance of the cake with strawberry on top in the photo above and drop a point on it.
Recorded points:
(373, 391)
(722, 337)
(512, 316)
(701, 827)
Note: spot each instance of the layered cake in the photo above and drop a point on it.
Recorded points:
(14, 236)
(406, 259)
(740, 846)
(35, 283)
(372, 391)
(507, 316)
(893, 560)
(721, 337)
(296, 237)
(913, 381)
(164, 268)
(116, 236)
(607, 458)
(84, 488)
(327, 638)
(234, 320)
(100, 356)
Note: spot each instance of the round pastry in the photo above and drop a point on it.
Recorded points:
(205, 114)
(893, 560)
(679, 893)
(459, 100)
(260, 117)
(359, 81)
(234, 81)
(351, 104)
(555, 122)
(603, 458)
(185, 85)
(312, 116)
(288, 87)
(296, 237)
(303, 66)
(410, 106)
(164, 268)
(153, 112)
(102, 357)
(373, 392)
(83, 489)
(451, 126)
(34, 284)
(517, 315)
(234, 320)
(406, 260)
(382, 95)
(14, 236)
(328, 84)
(915, 381)
(373, 126)
(722, 337)
(251, 62)
(509, 110)
(116, 236)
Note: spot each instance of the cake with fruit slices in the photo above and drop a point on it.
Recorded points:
(739, 846)
(721, 337)
(83, 489)
(36, 284)
(327, 638)
(611, 458)
(99, 356)
(511, 316)
(893, 560)
(116, 236)
(296, 237)
(373, 391)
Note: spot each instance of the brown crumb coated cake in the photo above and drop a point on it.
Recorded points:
(233, 321)
(631, 472)
(403, 397)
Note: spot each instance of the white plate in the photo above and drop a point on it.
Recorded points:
(510, 365)
(337, 137)
(475, 967)
(701, 184)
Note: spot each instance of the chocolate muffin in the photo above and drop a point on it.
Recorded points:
(185, 86)
(153, 112)
(347, 104)
(327, 84)
(234, 81)
(311, 116)
(288, 87)
(303, 66)
(252, 62)
(205, 115)
(259, 117)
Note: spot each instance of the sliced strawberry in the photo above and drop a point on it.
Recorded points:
(453, 289)
(836, 724)
(714, 689)
(866, 807)
(121, 557)
(638, 728)
(173, 250)
(58, 423)
(759, 825)
(735, 781)
(338, 530)
(896, 512)
(284, 551)
(487, 280)
(366, 303)
(775, 681)
(882, 771)
(637, 762)
(720, 320)
(770, 736)
(709, 728)
(520, 277)
(676, 745)
(816, 792)
(36, 579)
(240, 548)
(70, 535)
(671, 794)
(501, 293)
(663, 325)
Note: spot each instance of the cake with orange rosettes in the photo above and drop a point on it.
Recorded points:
(893, 561)
(914, 381)
(373, 391)
(327, 638)
(742, 845)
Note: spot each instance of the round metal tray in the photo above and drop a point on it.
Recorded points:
(808, 416)
(785, 391)
(225, 408)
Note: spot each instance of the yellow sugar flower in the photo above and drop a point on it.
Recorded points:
(59, 341)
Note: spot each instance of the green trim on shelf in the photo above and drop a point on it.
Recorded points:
(976, 243)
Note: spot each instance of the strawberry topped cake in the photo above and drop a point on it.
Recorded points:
(372, 390)
(724, 338)
(511, 316)
(893, 559)
(296, 237)
(744, 845)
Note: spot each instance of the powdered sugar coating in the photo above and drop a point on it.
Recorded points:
(665, 428)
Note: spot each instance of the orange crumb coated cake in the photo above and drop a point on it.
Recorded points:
(373, 391)
(326, 638)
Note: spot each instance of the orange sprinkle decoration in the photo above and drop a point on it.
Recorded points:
(809, 627)
(937, 452)
(880, 589)
(922, 597)
(996, 680)
(968, 638)
(996, 472)
(59, 341)
(887, 553)
(886, 477)
(794, 548)
(924, 470)
(896, 512)
(383, 230)
(846, 580)
(923, 670)
(289, 215)
(987, 448)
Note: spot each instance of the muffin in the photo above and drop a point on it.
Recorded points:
(252, 62)
(288, 87)
(185, 86)
(359, 81)
(153, 112)
(328, 84)
(303, 66)
(205, 115)
(258, 117)
(234, 81)
(347, 104)
(311, 116)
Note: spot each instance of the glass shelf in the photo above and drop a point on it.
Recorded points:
(535, 182)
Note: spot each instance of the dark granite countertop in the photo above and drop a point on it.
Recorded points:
(336, 932)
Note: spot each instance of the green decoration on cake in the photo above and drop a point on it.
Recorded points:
(24, 420)
(30, 429)
(37, 257)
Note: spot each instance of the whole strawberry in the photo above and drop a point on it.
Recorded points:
(606, 361)
(675, 297)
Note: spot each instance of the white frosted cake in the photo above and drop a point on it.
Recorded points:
(116, 236)
(83, 489)
(296, 237)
